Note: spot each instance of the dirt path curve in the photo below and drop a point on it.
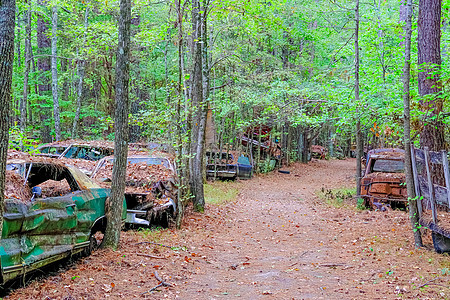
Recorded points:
(278, 240)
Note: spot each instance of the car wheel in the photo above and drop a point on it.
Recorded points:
(367, 203)
(95, 241)
(441, 243)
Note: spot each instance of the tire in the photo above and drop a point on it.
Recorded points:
(95, 241)
(441, 243)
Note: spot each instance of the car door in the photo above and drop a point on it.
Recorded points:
(50, 220)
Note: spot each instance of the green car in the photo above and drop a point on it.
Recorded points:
(52, 211)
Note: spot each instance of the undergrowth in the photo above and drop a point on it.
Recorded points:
(152, 234)
(220, 192)
(336, 197)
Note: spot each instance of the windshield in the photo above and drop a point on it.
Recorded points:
(16, 167)
(388, 166)
(87, 153)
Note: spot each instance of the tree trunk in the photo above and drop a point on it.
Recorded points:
(429, 56)
(23, 104)
(44, 44)
(19, 38)
(306, 145)
(206, 92)
(197, 138)
(80, 72)
(180, 158)
(55, 73)
(7, 22)
(114, 213)
(359, 150)
(413, 210)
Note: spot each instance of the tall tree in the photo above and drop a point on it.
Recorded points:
(55, 73)
(24, 100)
(413, 210)
(114, 213)
(80, 72)
(359, 150)
(44, 43)
(7, 22)
(198, 113)
(180, 158)
(429, 59)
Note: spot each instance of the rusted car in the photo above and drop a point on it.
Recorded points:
(151, 188)
(52, 211)
(318, 152)
(383, 183)
(225, 166)
(92, 150)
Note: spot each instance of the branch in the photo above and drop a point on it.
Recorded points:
(218, 60)
(427, 283)
(153, 243)
(47, 55)
(151, 256)
(339, 50)
(221, 86)
(161, 283)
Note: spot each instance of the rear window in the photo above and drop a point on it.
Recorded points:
(388, 166)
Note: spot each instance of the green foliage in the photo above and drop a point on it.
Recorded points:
(277, 62)
(336, 197)
(20, 141)
(360, 204)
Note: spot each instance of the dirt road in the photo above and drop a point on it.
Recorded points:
(278, 240)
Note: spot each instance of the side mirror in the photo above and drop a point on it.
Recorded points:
(37, 192)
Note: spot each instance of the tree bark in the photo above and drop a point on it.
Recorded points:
(114, 213)
(197, 139)
(23, 104)
(413, 210)
(80, 72)
(359, 150)
(55, 73)
(44, 44)
(180, 158)
(7, 22)
(429, 59)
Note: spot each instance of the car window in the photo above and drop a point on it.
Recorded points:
(71, 152)
(88, 152)
(388, 166)
(54, 180)
(55, 150)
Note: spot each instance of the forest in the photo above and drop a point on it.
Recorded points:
(204, 76)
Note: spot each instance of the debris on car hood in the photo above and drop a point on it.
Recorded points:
(16, 187)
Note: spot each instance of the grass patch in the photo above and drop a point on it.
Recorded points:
(151, 234)
(220, 192)
(336, 197)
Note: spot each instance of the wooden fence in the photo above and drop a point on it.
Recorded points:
(430, 171)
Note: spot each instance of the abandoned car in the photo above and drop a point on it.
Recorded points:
(94, 150)
(318, 152)
(52, 211)
(223, 165)
(383, 183)
(151, 188)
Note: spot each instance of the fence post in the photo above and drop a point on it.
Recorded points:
(446, 174)
(416, 180)
(430, 186)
